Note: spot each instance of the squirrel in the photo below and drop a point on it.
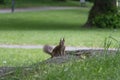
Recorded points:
(59, 50)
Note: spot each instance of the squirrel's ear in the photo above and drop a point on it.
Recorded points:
(63, 39)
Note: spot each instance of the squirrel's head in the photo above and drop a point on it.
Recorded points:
(62, 41)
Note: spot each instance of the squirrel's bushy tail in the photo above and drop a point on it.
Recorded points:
(47, 49)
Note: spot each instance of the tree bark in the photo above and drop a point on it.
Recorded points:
(100, 7)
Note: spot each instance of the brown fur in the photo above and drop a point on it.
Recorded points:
(59, 50)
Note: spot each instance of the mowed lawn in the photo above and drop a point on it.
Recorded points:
(38, 3)
(47, 27)
(21, 57)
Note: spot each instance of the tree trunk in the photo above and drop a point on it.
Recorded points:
(100, 7)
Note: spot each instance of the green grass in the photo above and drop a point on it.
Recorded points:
(38, 3)
(21, 57)
(47, 27)
(104, 67)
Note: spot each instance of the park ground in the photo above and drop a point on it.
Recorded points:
(47, 27)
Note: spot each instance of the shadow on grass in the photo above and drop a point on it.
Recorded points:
(47, 20)
(35, 25)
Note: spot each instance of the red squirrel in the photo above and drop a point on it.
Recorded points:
(59, 50)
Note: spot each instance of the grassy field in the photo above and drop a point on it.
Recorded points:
(47, 27)
(38, 3)
(21, 57)
(104, 67)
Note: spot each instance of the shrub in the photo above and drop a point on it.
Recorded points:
(108, 20)
(1, 1)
